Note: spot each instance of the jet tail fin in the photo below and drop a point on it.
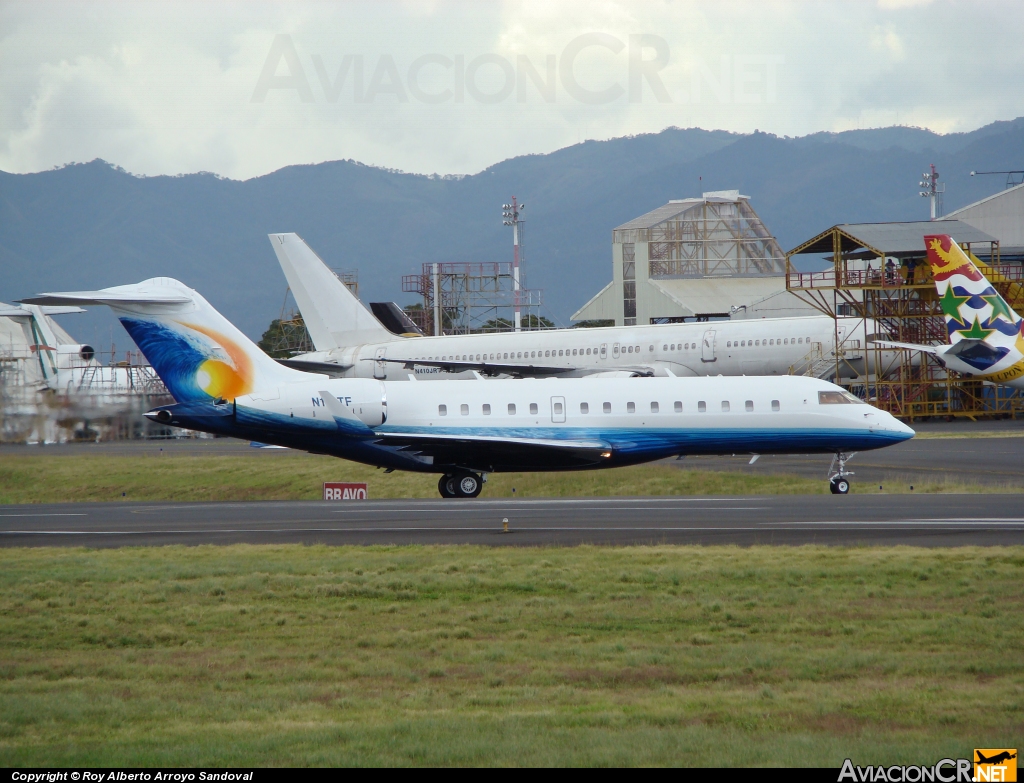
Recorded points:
(198, 354)
(973, 309)
(333, 316)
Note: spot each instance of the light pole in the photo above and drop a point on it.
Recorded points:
(510, 217)
(932, 190)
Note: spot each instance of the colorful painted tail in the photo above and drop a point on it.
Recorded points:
(974, 310)
(197, 352)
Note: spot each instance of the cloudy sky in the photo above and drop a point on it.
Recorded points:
(242, 89)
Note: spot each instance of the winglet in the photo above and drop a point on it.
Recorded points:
(347, 421)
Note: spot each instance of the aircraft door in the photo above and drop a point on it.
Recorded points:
(604, 351)
(707, 348)
(615, 351)
(558, 410)
(380, 366)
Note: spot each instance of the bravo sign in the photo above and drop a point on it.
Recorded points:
(337, 490)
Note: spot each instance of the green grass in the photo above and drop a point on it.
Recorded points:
(28, 477)
(246, 655)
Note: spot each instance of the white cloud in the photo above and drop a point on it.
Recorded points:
(167, 87)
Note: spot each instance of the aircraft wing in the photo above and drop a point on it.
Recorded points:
(486, 452)
(484, 368)
(507, 367)
(909, 346)
(317, 368)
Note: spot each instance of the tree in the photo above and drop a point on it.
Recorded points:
(285, 338)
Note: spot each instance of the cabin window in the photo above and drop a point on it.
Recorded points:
(757, 343)
(547, 353)
(573, 351)
(654, 407)
(584, 408)
(725, 406)
(464, 409)
(775, 405)
(678, 406)
(487, 409)
(558, 408)
(533, 409)
(728, 344)
(506, 356)
(800, 340)
(630, 407)
(771, 342)
(786, 341)
(664, 347)
(630, 349)
(442, 410)
(559, 353)
(607, 407)
(702, 407)
(511, 409)
(749, 405)
(650, 347)
(588, 352)
(808, 339)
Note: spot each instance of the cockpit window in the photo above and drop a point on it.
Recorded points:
(838, 398)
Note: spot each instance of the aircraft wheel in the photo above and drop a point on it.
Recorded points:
(839, 486)
(446, 486)
(468, 485)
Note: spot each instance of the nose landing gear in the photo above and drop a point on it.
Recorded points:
(460, 485)
(838, 484)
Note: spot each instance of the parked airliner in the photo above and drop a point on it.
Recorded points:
(225, 384)
(350, 342)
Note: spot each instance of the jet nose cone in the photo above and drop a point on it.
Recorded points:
(897, 427)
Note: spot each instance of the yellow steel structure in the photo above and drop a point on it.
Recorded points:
(895, 299)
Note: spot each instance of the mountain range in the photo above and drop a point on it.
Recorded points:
(91, 225)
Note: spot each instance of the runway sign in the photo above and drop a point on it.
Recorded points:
(338, 490)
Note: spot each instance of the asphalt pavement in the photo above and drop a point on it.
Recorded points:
(916, 520)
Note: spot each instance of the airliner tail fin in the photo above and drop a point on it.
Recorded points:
(196, 351)
(334, 317)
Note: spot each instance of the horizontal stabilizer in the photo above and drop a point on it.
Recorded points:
(20, 312)
(935, 349)
(156, 291)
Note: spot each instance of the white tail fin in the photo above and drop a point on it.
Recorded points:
(333, 316)
(196, 351)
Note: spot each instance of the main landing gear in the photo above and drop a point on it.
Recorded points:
(838, 484)
(460, 485)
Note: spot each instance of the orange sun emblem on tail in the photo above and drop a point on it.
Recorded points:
(218, 378)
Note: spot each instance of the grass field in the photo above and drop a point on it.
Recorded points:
(250, 655)
(38, 477)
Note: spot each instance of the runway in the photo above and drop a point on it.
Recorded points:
(925, 520)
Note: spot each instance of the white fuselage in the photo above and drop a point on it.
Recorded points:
(778, 346)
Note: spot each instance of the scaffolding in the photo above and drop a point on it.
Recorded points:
(466, 298)
(102, 398)
(287, 335)
(882, 281)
